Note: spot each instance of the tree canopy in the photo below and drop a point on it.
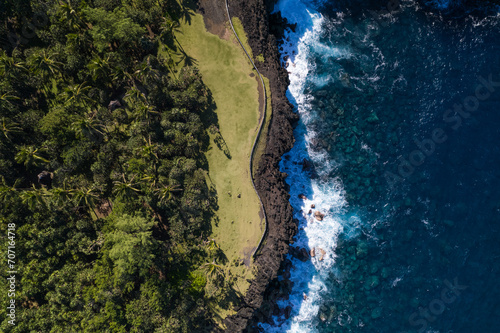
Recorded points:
(113, 238)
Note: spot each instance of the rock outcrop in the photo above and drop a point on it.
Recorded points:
(319, 216)
(322, 254)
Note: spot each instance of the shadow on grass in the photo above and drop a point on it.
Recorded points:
(221, 144)
(182, 9)
(175, 47)
(188, 61)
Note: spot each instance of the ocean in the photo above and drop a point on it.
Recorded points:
(395, 172)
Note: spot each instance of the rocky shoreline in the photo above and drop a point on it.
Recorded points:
(257, 305)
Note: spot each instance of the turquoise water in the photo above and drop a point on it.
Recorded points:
(399, 105)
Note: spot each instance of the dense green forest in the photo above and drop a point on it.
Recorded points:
(102, 170)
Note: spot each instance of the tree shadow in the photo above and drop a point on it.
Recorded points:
(222, 145)
(188, 60)
(211, 121)
(174, 44)
(187, 9)
(179, 11)
(182, 10)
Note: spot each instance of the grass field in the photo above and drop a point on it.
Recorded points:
(234, 86)
(261, 145)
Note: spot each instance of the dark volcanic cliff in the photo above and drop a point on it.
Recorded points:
(270, 182)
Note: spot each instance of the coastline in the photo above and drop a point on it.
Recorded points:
(259, 304)
(269, 181)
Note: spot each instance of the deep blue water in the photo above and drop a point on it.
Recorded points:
(400, 117)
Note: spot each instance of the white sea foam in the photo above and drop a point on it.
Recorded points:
(324, 192)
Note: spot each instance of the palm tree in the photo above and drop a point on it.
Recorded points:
(10, 127)
(89, 127)
(77, 94)
(34, 198)
(10, 67)
(149, 150)
(125, 189)
(168, 28)
(61, 195)
(7, 192)
(99, 68)
(165, 193)
(7, 97)
(136, 96)
(30, 157)
(145, 112)
(87, 197)
(151, 178)
(44, 63)
(70, 15)
(213, 270)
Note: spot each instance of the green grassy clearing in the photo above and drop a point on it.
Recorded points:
(261, 144)
(227, 72)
